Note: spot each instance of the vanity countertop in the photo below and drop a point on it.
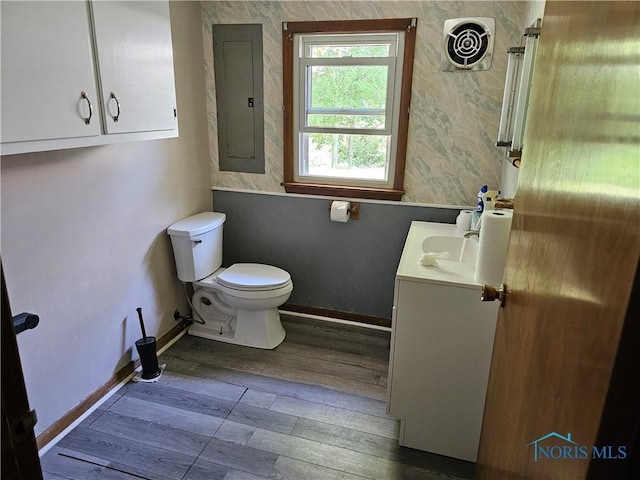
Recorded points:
(447, 272)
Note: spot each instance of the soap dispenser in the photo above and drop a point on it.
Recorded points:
(489, 199)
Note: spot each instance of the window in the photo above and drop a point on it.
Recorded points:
(347, 88)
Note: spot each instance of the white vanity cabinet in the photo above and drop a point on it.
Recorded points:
(441, 344)
(61, 61)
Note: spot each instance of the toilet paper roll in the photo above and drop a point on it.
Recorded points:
(492, 250)
(340, 211)
(463, 221)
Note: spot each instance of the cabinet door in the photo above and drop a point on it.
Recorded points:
(46, 63)
(135, 64)
(442, 347)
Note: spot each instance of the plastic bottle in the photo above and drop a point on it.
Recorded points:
(475, 216)
(489, 199)
(481, 193)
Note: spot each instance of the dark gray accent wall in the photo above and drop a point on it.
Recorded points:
(348, 267)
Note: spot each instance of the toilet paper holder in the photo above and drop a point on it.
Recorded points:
(354, 209)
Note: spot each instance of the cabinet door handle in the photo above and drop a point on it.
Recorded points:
(117, 115)
(88, 119)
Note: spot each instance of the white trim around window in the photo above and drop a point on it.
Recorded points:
(302, 67)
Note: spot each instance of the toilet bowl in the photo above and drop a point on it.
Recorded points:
(238, 304)
(244, 311)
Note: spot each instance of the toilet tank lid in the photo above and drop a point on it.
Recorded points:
(197, 224)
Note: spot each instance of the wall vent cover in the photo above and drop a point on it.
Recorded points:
(467, 43)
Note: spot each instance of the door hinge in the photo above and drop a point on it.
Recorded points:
(175, 112)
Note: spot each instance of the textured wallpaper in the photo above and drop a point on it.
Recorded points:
(454, 115)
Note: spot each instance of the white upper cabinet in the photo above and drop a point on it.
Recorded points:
(47, 62)
(78, 74)
(135, 61)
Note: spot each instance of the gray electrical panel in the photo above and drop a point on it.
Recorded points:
(237, 56)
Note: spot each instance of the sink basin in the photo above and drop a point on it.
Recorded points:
(461, 249)
(428, 237)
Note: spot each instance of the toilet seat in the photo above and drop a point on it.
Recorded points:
(257, 292)
(253, 277)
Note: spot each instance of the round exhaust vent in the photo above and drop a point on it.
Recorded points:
(467, 44)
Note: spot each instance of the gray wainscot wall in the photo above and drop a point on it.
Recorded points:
(346, 267)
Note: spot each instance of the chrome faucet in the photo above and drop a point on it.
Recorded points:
(472, 233)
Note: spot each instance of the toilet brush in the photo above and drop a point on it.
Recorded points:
(146, 347)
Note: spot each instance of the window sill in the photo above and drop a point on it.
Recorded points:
(342, 191)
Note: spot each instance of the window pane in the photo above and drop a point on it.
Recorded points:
(346, 156)
(346, 121)
(338, 51)
(348, 86)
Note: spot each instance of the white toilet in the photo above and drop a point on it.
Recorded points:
(239, 304)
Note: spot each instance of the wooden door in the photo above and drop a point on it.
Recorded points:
(20, 459)
(572, 258)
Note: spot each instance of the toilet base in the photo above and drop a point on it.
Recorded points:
(258, 329)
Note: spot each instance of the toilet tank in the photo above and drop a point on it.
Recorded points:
(197, 245)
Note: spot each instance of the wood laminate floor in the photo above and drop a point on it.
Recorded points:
(312, 409)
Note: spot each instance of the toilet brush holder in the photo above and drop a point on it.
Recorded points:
(146, 347)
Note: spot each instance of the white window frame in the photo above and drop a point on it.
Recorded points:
(406, 26)
(301, 108)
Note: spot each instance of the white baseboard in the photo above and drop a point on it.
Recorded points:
(334, 320)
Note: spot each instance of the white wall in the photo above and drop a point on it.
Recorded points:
(84, 242)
